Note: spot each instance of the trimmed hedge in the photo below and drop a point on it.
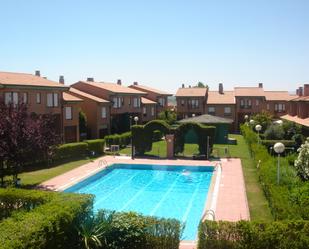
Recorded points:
(71, 150)
(122, 140)
(96, 145)
(50, 223)
(270, 143)
(253, 235)
(287, 200)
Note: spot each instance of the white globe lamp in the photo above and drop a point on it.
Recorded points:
(279, 148)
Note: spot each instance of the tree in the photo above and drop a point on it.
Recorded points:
(24, 138)
(201, 85)
(302, 162)
(264, 119)
(168, 116)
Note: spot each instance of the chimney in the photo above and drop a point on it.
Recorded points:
(189, 86)
(61, 79)
(300, 91)
(183, 86)
(221, 88)
(119, 82)
(90, 79)
(297, 92)
(45, 77)
(37, 73)
(260, 85)
(135, 83)
(306, 89)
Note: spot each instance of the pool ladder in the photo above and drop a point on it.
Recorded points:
(102, 163)
(210, 213)
(218, 165)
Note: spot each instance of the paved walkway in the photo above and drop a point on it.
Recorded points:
(231, 203)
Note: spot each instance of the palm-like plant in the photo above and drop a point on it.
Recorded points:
(94, 230)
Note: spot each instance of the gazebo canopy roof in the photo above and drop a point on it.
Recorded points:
(207, 119)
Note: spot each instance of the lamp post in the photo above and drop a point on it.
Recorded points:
(246, 119)
(258, 128)
(136, 119)
(279, 148)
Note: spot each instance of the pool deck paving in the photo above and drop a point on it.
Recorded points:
(231, 203)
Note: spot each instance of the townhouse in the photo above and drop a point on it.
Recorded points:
(97, 111)
(234, 104)
(43, 96)
(125, 102)
(190, 101)
(298, 110)
(158, 98)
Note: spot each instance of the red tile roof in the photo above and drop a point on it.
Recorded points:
(302, 98)
(113, 87)
(27, 80)
(278, 95)
(150, 89)
(249, 91)
(70, 98)
(304, 122)
(146, 101)
(88, 96)
(191, 92)
(214, 97)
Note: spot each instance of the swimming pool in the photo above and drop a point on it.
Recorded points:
(176, 192)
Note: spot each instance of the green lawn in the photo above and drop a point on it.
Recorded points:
(35, 177)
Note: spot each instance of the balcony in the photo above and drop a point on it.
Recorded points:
(246, 107)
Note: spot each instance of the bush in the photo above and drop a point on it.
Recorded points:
(140, 139)
(49, 223)
(274, 132)
(157, 136)
(71, 150)
(96, 145)
(302, 162)
(253, 235)
(122, 140)
(133, 231)
(264, 119)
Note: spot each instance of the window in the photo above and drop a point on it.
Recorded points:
(182, 102)
(257, 102)
(38, 98)
(279, 107)
(161, 101)
(11, 97)
(194, 103)
(117, 102)
(242, 102)
(245, 103)
(103, 112)
(136, 102)
(144, 111)
(227, 110)
(211, 109)
(267, 106)
(52, 99)
(152, 111)
(25, 98)
(68, 112)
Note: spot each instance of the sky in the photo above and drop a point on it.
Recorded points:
(162, 44)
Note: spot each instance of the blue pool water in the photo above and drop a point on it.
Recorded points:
(176, 192)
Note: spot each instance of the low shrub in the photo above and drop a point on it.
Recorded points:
(122, 140)
(71, 150)
(253, 235)
(96, 145)
(271, 143)
(132, 231)
(50, 224)
(274, 132)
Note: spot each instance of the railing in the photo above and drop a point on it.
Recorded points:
(102, 163)
(209, 214)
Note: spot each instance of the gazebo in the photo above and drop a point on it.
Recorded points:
(222, 126)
